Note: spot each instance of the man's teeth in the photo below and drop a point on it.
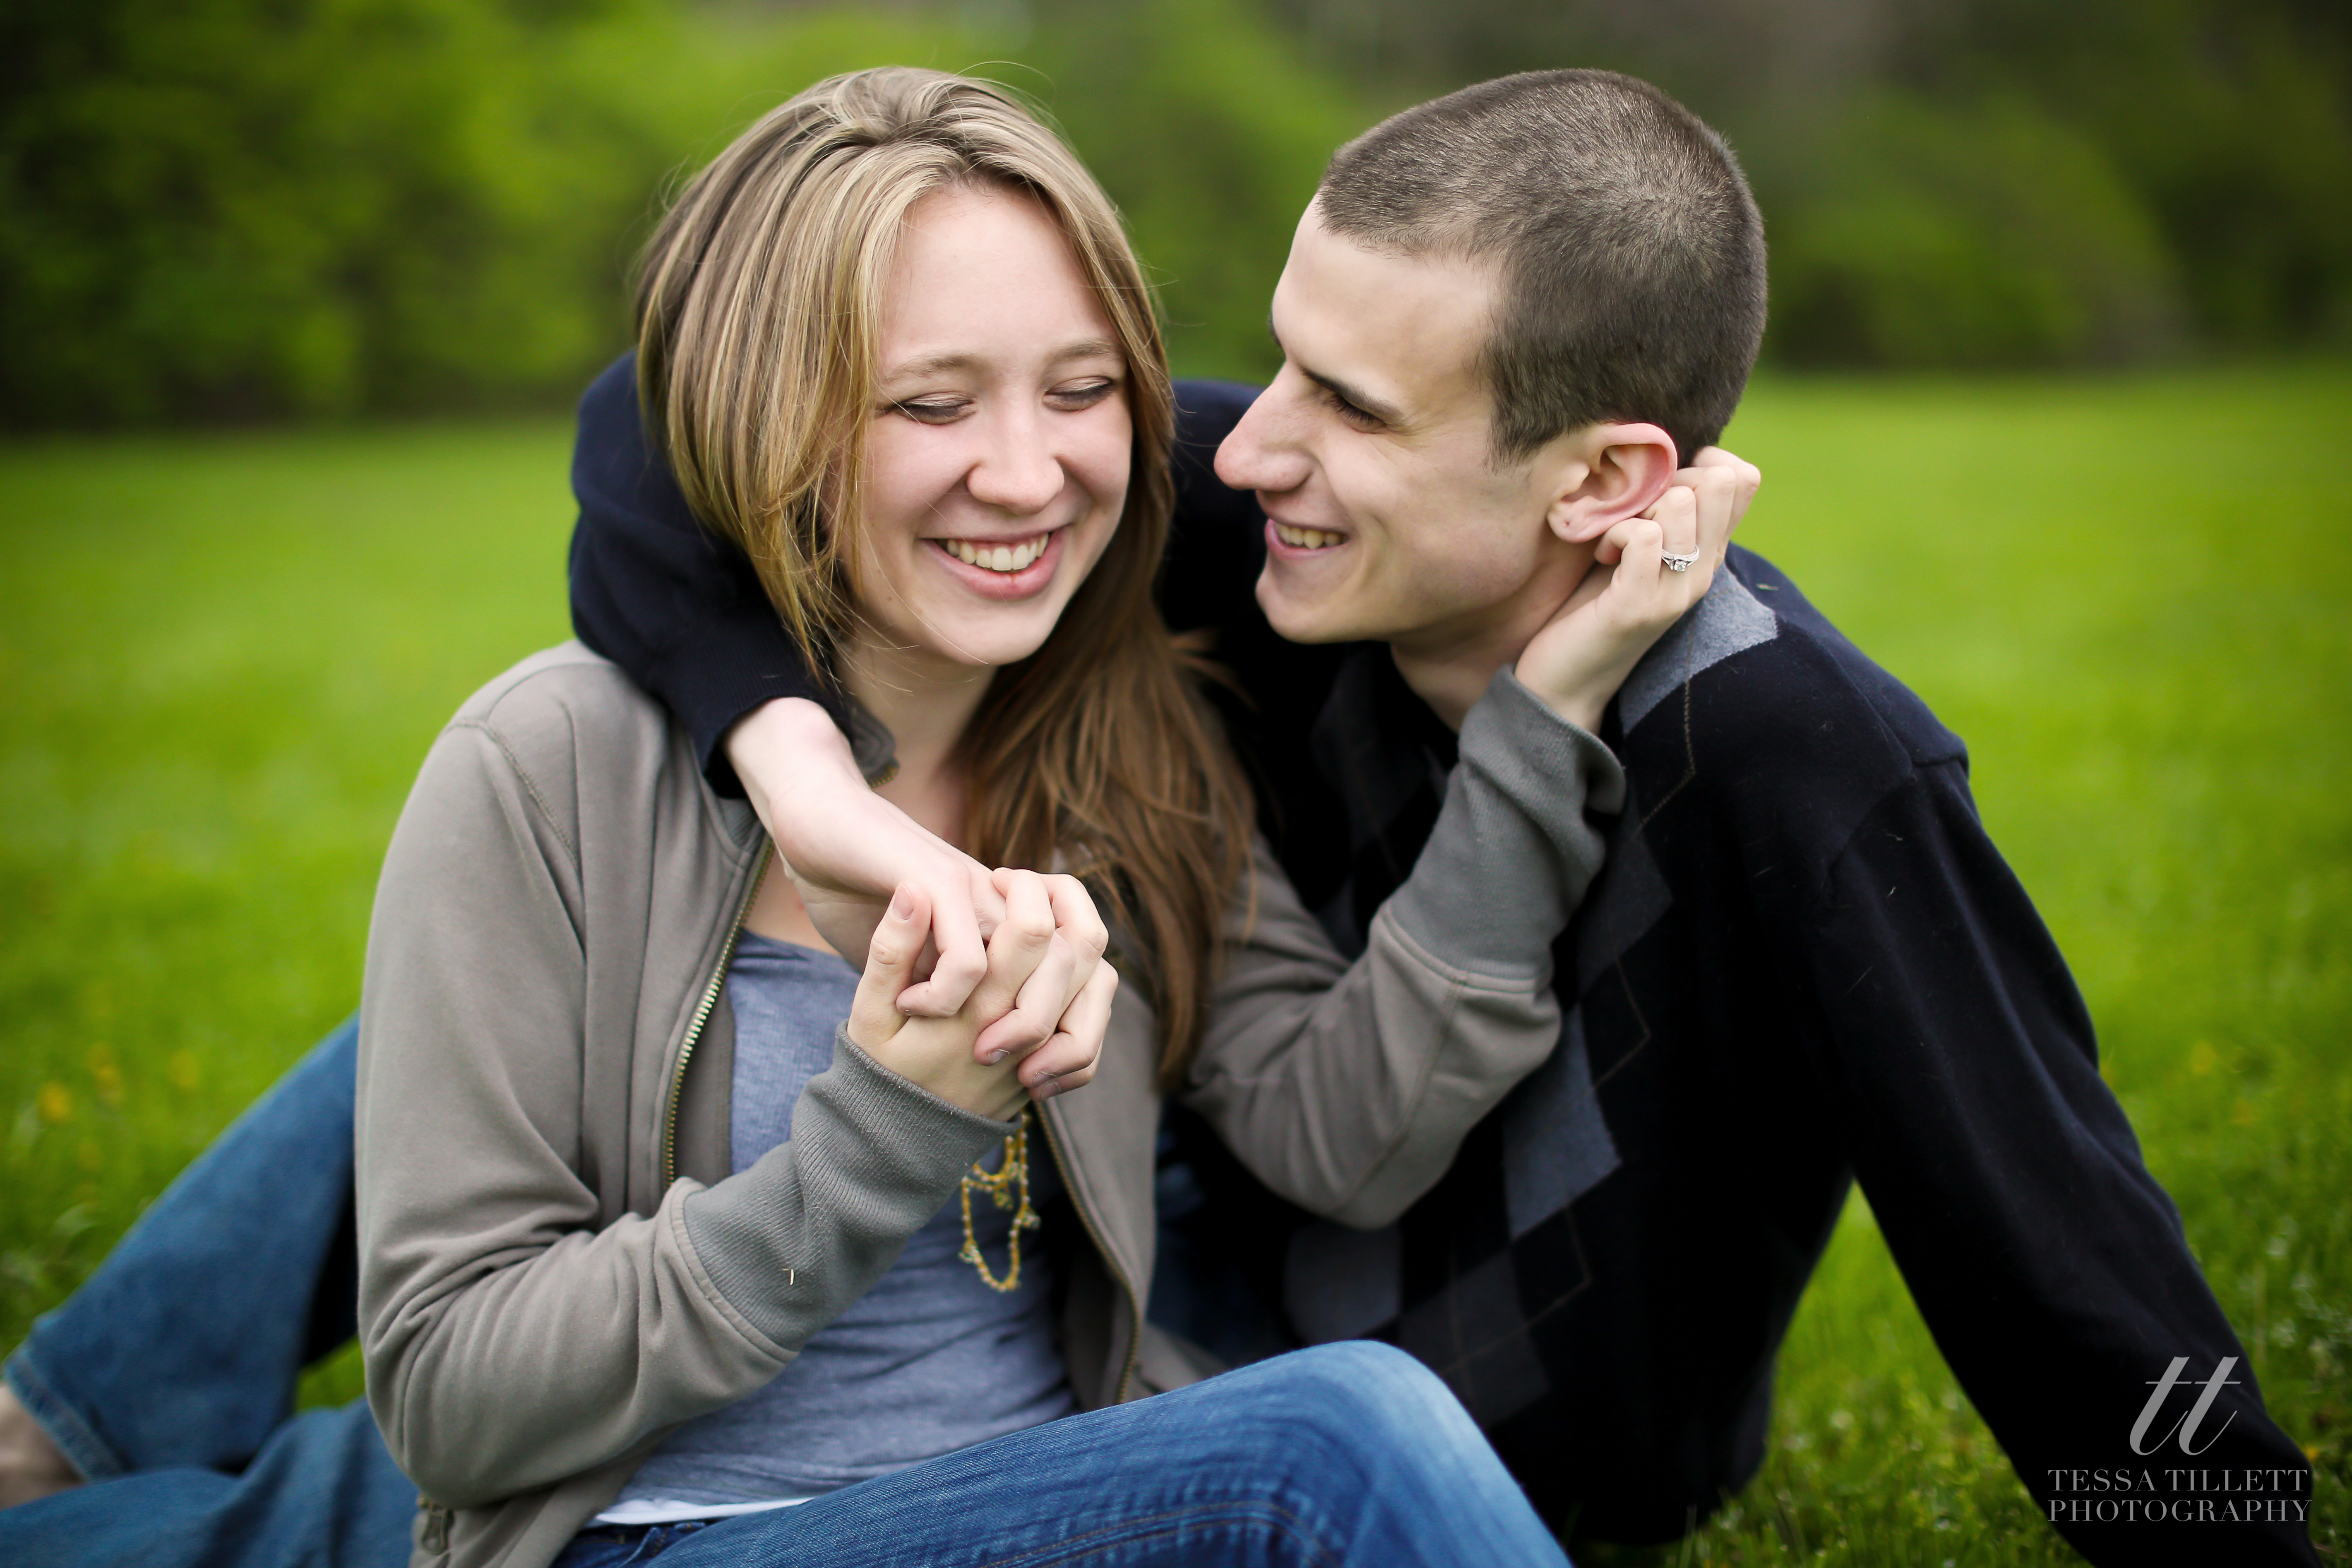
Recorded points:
(1306, 538)
(997, 557)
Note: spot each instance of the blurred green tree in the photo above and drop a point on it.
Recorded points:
(263, 208)
(1206, 127)
(2140, 166)
(259, 209)
(1990, 235)
(2231, 120)
(267, 209)
(293, 206)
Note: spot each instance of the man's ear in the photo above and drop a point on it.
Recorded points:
(1616, 471)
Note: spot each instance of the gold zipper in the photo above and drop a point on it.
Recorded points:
(702, 1016)
(1134, 1301)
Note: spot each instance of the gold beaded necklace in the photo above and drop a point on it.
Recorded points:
(1012, 1170)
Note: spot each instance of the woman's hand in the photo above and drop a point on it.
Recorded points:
(847, 849)
(1629, 598)
(965, 1059)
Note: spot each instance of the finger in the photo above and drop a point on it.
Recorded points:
(987, 898)
(1591, 586)
(1077, 923)
(1079, 939)
(1745, 478)
(874, 1015)
(1610, 549)
(957, 935)
(1748, 475)
(1019, 944)
(1075, 917)
(1676, 515)
(1721, 497)
(1640, 543)
(1068, 1061)
(1037, 1011)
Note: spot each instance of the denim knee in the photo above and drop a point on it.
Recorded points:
(1364, 1395)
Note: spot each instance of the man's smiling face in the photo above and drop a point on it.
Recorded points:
(1371, 453)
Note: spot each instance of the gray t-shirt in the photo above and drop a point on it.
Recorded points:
(928, 1361)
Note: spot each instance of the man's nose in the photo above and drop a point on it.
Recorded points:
(1018, 470)
(1262, 452)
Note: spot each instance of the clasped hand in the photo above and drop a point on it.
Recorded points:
(1031, 1028)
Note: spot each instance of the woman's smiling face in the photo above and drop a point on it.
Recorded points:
(998, 444)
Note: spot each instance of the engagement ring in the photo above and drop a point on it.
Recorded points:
(1679, 563)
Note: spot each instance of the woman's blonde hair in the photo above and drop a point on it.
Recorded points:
(759, 317)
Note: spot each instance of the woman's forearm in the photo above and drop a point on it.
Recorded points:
(1348, 1088)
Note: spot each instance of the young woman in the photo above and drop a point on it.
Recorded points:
(678, 1234)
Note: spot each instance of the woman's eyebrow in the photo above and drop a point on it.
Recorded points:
(931, 365)
(1089, 348)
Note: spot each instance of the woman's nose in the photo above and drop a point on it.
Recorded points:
(1018, 470)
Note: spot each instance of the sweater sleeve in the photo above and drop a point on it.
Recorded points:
(515, 1335)
(1347, 1088)
(1959, 1061)
(676, 606)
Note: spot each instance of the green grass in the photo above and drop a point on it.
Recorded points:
(222, 658)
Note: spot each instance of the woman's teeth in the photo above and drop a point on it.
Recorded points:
(1306, 538)
(997, 557)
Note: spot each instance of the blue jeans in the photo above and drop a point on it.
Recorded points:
(168, 1377)
(1348, 1455)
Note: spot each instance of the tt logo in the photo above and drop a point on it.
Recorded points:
(2186, 1426)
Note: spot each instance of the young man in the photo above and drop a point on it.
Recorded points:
(1505, 314)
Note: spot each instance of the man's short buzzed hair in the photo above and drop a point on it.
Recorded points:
(1630, 254)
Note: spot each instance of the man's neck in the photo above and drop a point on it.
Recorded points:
(1450, 665)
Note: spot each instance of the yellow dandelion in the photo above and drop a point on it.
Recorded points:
(56, 1103)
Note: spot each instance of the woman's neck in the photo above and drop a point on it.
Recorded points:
(927, 703)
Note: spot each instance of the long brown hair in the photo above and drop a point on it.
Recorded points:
(759, 311)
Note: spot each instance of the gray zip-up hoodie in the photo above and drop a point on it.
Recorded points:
(557, 1267)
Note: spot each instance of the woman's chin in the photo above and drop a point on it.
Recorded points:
(993, 647)
(942, 639)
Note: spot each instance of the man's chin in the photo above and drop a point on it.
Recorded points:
(1309, 621)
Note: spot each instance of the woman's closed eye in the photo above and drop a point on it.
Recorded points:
(933, 410)
(940, 409)
(1083, 394)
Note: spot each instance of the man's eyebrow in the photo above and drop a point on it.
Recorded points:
(1386, 414)
(929, 364)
